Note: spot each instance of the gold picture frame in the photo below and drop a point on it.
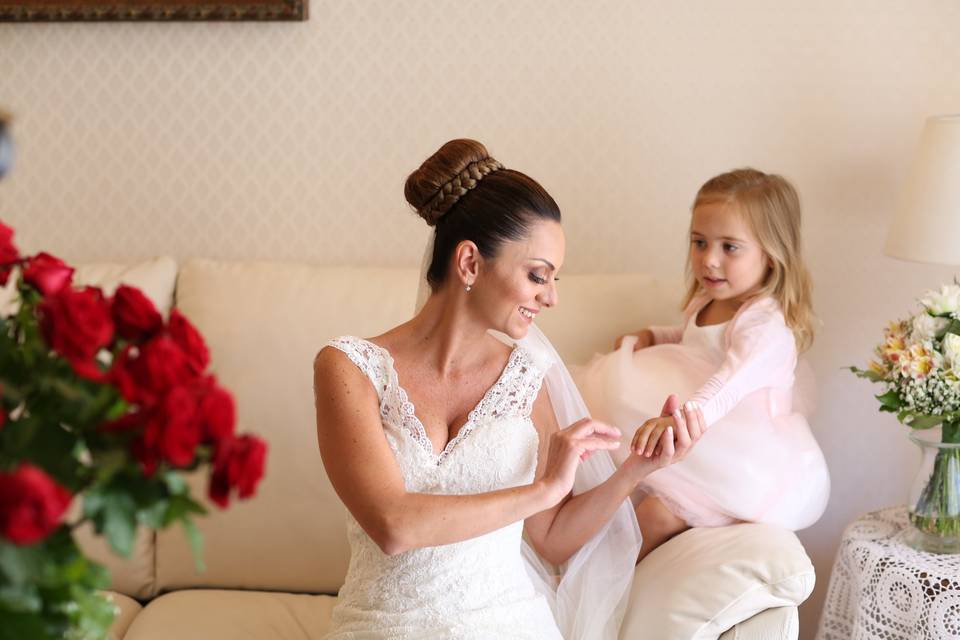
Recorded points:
(112, 10)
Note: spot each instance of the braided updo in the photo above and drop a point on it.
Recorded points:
(467, 195)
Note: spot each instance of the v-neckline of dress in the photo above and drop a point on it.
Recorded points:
(408, 410)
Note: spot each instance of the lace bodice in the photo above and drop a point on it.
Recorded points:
(477, 588)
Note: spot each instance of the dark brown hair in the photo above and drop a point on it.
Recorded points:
(467, 195)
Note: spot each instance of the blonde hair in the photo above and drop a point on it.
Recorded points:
(771, 206)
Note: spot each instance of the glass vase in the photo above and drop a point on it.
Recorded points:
(934, 504)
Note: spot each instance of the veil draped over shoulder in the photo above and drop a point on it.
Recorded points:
(588, 594)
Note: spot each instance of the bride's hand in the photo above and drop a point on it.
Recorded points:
(644, 340)
(568, 447)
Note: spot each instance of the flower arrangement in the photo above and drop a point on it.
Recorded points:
(918, 363)
(103, 403)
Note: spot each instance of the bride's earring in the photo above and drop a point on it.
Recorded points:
(468, 287)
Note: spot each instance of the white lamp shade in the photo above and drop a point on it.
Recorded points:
(926, 226)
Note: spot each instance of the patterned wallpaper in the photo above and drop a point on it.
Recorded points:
(292, 140)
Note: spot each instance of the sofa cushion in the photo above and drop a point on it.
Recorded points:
(705, 581)
(596, 308)
(126, 610)
(155, 277)
(264, 322)
(233, 615)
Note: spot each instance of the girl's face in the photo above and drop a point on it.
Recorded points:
(725, 255)
(521, 281)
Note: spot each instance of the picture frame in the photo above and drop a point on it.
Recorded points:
(163, 10)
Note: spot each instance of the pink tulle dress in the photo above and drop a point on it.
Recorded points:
(757, 460)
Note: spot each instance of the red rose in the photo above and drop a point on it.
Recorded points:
(239, 464)
(177, 429)
(190, 340)
(47, 273)
(77, 324)
(172, 432)
(8, 253)
(121, 375)
(134, 314)
(31, 504)
(159, 365)
(217, 412)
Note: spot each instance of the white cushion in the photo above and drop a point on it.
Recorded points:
(231, 615)
(155, 278)
(705, 581)
(264, 322)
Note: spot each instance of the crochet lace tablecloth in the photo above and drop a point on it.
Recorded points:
(881, 589)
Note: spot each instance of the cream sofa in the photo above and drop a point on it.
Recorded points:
(275, 563)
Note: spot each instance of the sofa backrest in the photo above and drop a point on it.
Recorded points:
(264, 322)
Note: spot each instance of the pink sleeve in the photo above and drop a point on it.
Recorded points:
(761, 353)
(665, 335)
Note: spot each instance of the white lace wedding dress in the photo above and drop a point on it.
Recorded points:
(478, 588)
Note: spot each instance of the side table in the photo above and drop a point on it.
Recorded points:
(882, 589)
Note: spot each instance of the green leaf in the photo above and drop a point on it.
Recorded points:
(923, 421)
(890, 401)
(93, 616)
(870, 375)
(953, 327)
(20, 626)
(22, 598)
(19, 564)
(119, 522)
(196, 543)
(176, 483)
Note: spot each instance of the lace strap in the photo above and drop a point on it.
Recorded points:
(514, 394)
(367, 357)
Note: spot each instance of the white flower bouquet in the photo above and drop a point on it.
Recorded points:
(918, 363)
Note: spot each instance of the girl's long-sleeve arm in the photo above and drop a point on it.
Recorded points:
(761, 353)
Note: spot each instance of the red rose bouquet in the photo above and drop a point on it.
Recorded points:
(104, 403)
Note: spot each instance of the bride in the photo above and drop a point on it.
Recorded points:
(445, 442)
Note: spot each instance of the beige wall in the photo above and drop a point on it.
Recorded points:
(293, 140)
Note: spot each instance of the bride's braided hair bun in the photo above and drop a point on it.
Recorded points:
(446, 176)
(467, 195)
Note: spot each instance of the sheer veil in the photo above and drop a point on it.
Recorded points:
(588, 594)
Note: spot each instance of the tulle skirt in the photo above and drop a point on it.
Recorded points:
(759, 463)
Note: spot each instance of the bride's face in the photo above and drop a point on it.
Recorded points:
(522, 280)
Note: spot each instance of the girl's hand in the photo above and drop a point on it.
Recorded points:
(568, 447)
(662, 441)
(644, 340)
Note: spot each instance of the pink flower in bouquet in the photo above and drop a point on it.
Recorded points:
(9, 253)
(134, 314)
(76, 324)
(239, 464)
(47, 273)
(31, 504)
(919, 362)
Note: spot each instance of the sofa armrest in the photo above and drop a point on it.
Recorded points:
(780, 623)
(706, 581)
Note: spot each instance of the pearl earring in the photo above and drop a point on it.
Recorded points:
(468, 287)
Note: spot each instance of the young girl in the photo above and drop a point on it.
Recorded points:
(747, 315)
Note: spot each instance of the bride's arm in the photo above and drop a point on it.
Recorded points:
(365, 474)
(559, 532)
